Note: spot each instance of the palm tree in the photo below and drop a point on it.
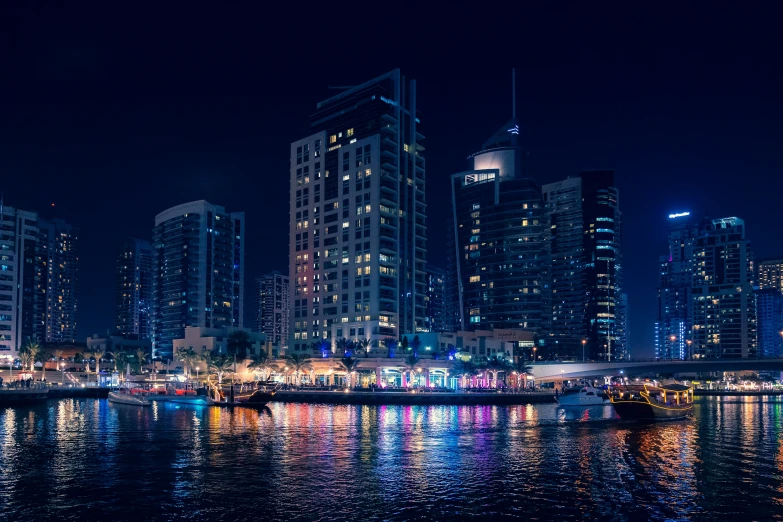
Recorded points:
(349, 364)
(345, 346)
(404, 344)
(364, 345)
(408, 365)
(497, 365)
(26, 358)
(298, 364)
(189, 357)
(391, 343)
(58, 354)
(43, 358)
(521, 368)
(415, 345)
(260, 364)
(239, 344)
(463, 369)
(322, 347)
(98, 354)
(141, 357)
(32, 347)
(218, 364)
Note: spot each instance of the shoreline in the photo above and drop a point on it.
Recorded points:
(729, 393)
(418, 397)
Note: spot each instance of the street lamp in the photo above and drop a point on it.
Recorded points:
(197, 369)
(62, 369)
(688, 342)
(584, 342)
(673, 338)
(534, 354)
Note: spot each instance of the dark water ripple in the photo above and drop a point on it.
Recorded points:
(89, 460)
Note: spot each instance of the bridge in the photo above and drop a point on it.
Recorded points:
(575, 370)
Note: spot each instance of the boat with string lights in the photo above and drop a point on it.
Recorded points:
(649, 402)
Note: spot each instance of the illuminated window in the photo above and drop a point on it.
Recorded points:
(475, 278)
(332, 139)
(349, 133)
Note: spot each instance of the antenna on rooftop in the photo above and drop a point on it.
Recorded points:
(514, 93)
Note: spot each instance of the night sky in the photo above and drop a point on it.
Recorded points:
(115, 115)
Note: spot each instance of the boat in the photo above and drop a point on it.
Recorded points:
(198, 397)
(129, 398)
(586, 396)
(648, 402)
(253, 395)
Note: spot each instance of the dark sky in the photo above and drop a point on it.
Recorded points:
(117, 114)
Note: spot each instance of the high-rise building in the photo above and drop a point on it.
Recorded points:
(452, 318)
(435, 318)
(673, 328)
(20, 313)
(134, 276)
(723, 308)
(272, 308)
(769, 313)
(770, 274)
(586, 265)
(358, 229)
(58, 268)
(199, 271)
(500, 243)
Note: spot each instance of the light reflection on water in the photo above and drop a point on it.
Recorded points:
(88, 459)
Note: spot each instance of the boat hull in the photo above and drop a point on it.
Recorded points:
(645, 411)
(568, 400)
(124, 398)
(200, 400)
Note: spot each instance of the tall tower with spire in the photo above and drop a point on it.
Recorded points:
(500, 238)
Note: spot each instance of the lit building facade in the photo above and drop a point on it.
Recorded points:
(723, 308)
(500, 240)
(134, 276)
(357, 210)
(21, 313)
(585, 248)
(58, 270)
(769, 313)
(199, 271)
(272, 308)
(673, 328)
(770, 274)
(435, 317)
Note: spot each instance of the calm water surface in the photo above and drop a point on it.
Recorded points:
(91, 460)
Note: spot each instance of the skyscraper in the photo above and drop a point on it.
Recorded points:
(673, 328)
(771, 274)
(586, 262)
(723, 308)
(435, 318)
(199, 271)
(452, 318)
(500, 239)
(358, 229)
(769, 313)
(134, 276)
(272, 308)
(20, 315)
(58, 268)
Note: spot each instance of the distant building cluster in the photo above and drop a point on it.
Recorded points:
(529, 271)
(712, 301)
(543, 260)
(39, 266)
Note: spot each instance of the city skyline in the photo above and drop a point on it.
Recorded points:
(221, 140)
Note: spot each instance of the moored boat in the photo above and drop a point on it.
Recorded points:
(586, 396)
(254, 395)
(132, 399)
(648, 402)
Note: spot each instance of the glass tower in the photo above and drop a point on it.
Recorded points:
(357, 211)
(199, 271)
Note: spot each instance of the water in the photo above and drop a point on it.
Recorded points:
(91, 460)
